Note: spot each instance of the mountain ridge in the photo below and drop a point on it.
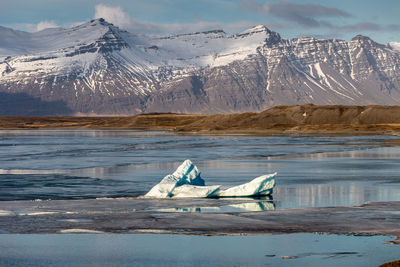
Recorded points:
(97, 68)
(301, 119)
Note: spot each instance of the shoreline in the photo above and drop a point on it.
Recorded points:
(281, 120)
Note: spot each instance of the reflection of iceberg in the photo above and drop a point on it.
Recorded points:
(254, 206)
(241, 207)
(186, 182)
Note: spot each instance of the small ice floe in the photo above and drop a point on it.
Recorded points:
(80, 231)
(6, 213)
(186, 182)
(36, 213)
(76, 220)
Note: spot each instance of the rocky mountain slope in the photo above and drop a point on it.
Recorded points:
(97, 68)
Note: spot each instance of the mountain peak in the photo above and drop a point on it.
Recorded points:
(366, 41)
(100, 21)
(271, 38)
(360, 37)
(257, 29)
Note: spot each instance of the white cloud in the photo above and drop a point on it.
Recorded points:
(45, 25)
(119, 17)
(114, 14)
(35, 27)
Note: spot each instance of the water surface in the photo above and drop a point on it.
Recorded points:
(312, 171)
(176, 250)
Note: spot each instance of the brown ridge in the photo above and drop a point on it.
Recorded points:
(307, 118)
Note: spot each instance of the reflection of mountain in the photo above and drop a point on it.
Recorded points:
(348, 193)
(98, 68)
(240, 207)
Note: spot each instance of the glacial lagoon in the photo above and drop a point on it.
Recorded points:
(313, 171)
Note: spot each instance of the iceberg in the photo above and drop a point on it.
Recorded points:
(259, 186)
(196, 191)
(186, 182)
(186, 174)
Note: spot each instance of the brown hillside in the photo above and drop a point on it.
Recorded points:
(299, 118)
(285, 117)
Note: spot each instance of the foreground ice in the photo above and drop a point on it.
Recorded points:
(186, 182)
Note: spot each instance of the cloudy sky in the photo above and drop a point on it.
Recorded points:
(291, 18)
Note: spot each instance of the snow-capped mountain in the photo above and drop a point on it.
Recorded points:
(96, 68)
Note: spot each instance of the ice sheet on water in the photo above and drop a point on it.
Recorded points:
(186, 182)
